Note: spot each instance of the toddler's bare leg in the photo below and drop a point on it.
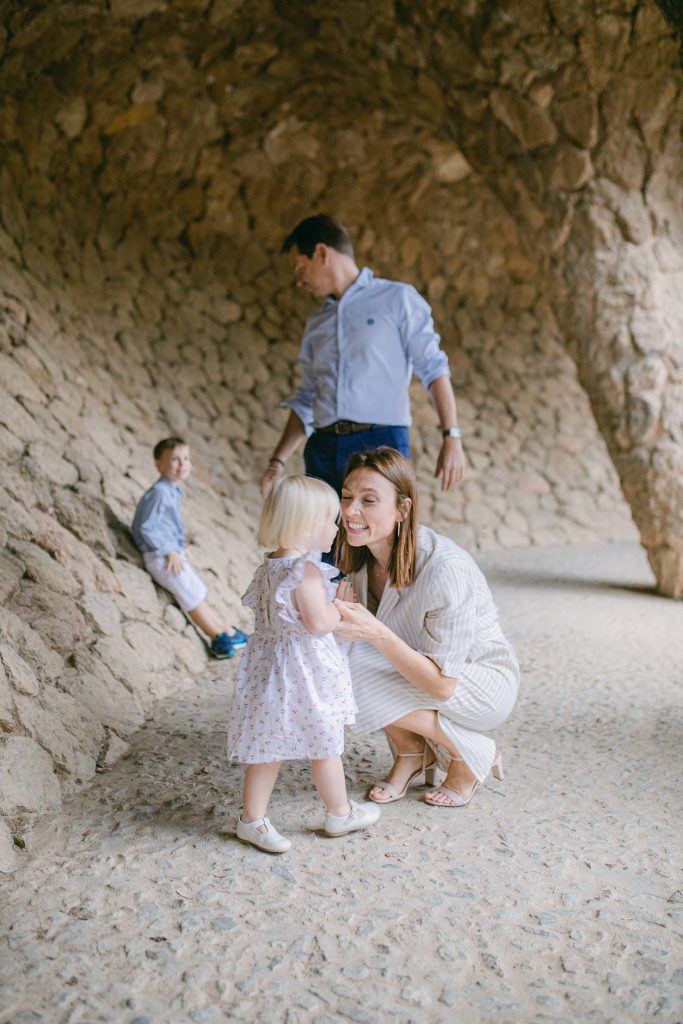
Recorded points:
(259, 780)
(328, 778)
(207, 620)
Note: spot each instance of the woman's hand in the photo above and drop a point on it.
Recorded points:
(345, 591)
(358, 623)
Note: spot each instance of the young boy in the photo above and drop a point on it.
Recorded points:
(158, 532)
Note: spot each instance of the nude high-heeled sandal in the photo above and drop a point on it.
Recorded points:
(393, 792)
(456, 798)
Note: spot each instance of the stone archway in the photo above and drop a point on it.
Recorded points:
(518, 162)
(202, 132)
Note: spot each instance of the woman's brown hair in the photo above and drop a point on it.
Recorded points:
(395, 468)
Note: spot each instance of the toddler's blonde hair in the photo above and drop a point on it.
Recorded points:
(293, 507)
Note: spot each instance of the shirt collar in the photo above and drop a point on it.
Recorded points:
(167, 483)
(364, 279)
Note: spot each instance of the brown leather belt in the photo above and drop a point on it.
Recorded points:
(345, 427)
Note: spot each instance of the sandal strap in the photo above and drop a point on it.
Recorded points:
(388, 787)
(452, 794)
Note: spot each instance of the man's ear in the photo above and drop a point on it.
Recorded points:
(322, 253)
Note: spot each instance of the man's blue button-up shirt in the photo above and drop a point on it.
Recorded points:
(156, 525)
(358, 355)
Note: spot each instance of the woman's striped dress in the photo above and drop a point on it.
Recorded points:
(447, 614)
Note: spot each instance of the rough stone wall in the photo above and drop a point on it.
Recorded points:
(152, 155)
(579, 131)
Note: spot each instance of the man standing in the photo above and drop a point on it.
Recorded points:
(358, 354)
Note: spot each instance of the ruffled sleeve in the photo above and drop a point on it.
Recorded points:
(256, 595)
(250, 597)
(295, 574)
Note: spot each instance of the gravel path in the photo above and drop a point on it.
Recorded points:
(556, 895)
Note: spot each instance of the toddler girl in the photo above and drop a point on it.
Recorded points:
(293, 690)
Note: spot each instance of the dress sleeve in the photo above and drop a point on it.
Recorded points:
(284, 592)
(251, 596)
(449, 621)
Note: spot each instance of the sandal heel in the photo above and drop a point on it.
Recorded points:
(497, 767)
(392, 793)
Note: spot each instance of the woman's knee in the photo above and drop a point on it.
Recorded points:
(424, 722)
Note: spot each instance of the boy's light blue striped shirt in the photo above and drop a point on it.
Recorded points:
(157, 525)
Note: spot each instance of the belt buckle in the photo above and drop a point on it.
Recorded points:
(343, 427)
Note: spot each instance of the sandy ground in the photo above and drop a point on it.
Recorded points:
(556, 895)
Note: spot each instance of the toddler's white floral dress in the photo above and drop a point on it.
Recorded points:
(293, 692)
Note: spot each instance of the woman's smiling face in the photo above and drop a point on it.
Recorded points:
(368, 508)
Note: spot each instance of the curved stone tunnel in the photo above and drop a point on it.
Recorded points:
(519, 162)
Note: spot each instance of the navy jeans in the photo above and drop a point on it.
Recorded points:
(326, 455)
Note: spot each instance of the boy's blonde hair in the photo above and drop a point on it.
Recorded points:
(293, 507)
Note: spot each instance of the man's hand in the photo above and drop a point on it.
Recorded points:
(450, 465)
(274, 470)
(174, 562)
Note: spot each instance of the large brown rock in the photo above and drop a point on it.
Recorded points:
(531, 125)
(27, 778)
(47, 729)
(92, 684)
(7, 719)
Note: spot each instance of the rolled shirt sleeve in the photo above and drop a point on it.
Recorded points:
(448, 629)
(421, 339)
(302, 401)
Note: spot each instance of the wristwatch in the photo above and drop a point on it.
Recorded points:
(452, 432)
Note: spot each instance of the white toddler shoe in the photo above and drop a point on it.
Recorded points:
(360, 816)
(271, 841)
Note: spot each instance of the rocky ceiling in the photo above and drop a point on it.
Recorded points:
(481, 149)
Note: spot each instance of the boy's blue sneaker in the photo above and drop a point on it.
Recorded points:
(238, 638)
(222, 646)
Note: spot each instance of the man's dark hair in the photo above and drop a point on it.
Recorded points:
(168, 442)
(320, 228)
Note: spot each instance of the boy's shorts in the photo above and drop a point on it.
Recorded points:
(187, 587)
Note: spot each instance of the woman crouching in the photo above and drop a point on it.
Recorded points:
(430, 664)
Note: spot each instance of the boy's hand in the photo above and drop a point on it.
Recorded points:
(174, 562)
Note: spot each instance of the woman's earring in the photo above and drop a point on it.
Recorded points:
(398, 529)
